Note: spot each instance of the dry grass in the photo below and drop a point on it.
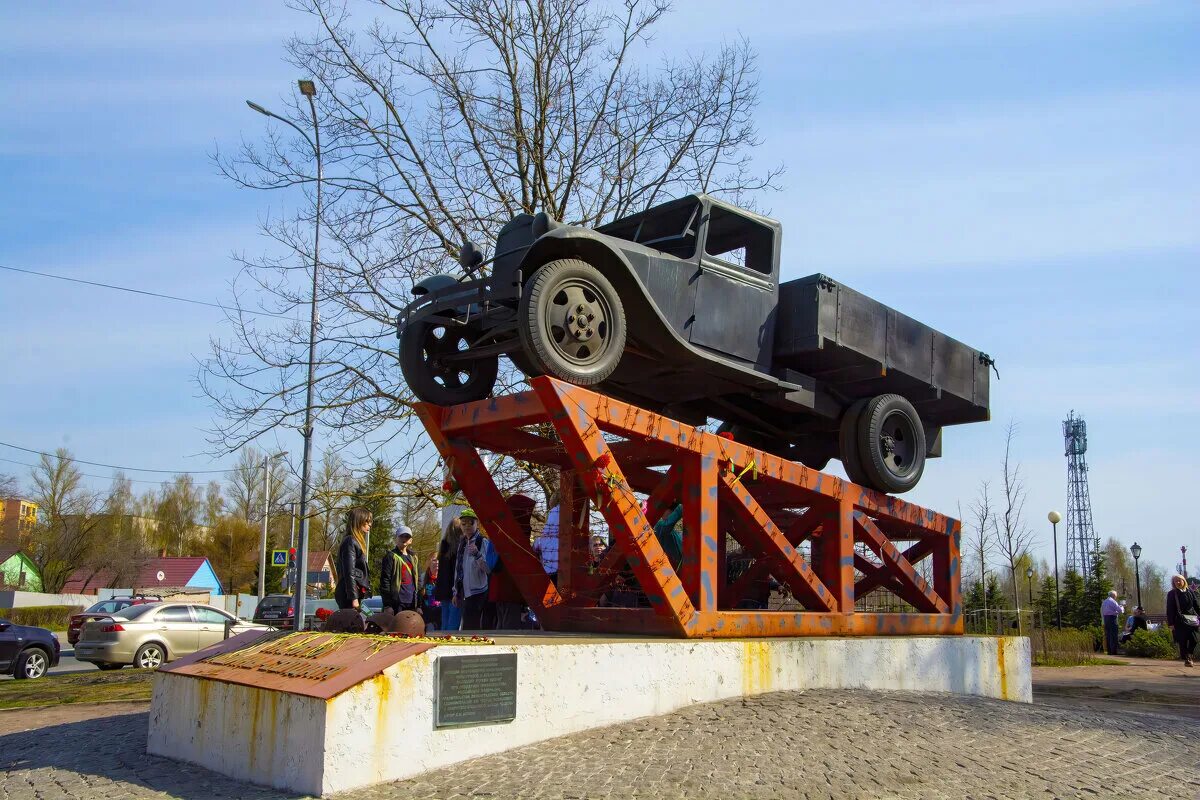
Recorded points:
(82, 687)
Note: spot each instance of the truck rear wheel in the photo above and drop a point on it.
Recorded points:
(891, 444)
(423, 348)
(571, 322)
(848, 443)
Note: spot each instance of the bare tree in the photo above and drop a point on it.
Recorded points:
(439, 121)
(177, 510)
(69, 522)
(1013, 536)
(120, 547)
(982, 544)
(332, 486)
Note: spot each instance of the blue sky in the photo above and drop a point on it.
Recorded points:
(1021, 175)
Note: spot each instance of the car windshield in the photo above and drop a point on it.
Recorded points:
(108, 606)
(134, 612)
(671, 230)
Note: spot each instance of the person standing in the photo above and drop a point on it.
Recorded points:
(447, 558)
(1109, 610)
(471, 575)
(502, 589)
(398, 586)
(545, 546)
(1183, 615)
(354, 577)
(433, 607)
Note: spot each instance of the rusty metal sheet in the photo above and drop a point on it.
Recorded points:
(319, 665)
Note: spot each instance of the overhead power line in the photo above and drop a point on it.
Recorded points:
(116, 466)
(145, 292)
(86, 474)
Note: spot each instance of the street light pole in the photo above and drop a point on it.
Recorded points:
(1056, 518)
(262, 546)
(1137, 573)
(308, 89)
(1029, 582)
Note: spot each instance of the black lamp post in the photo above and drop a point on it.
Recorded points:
(1029, 578)
(1056, 518)
(1137, 574)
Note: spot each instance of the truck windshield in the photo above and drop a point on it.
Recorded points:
(670, 230)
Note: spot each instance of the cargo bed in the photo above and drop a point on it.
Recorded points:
(857, 347)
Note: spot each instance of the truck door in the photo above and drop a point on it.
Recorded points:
(736, 288)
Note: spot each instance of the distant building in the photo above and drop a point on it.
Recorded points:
(156, 575)
(17, 518)
(319, 571)
(17, 571)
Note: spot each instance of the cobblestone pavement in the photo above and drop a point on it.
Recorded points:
(794, 745)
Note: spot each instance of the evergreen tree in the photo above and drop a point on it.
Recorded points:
(995, 594)
(375, 492)
(1097, 588)
(1071, 599)
(973, 599)
(973, 607)
(1045, 603)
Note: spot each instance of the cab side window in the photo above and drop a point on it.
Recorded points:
(739, 241)
(174, 614)
(209, 616)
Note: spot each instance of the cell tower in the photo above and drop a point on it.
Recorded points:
(1082, 542)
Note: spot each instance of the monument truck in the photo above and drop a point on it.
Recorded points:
(679, 309)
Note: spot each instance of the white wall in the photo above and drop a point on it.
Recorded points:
(383, 728)
(25, 599)
(252, 734)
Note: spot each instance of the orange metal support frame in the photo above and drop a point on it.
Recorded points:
(768, 505)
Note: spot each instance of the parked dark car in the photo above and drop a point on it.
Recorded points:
(278, 611)
(103, 609)
(680, 309)
(26, 651)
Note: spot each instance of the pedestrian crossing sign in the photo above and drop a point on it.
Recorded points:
(279, 558)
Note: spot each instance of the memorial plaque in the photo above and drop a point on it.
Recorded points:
(476, 689)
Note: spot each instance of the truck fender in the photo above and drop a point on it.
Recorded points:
(570, 242)
(441, 281)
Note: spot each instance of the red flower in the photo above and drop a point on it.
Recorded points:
(726, 435)
(447, 486)
(603, 461)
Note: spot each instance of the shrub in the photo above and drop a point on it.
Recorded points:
(55, 618)
(1097, 634)
(1152, 644)
(1060, 648)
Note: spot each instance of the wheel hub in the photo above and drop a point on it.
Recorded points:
(581, 322)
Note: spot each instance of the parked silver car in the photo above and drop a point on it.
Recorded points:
(149, 635)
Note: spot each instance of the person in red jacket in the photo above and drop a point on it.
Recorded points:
(502, 589)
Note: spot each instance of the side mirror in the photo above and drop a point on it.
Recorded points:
(469, 257)
(3, 625)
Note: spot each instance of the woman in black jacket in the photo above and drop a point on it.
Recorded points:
(1182, 602)
(447, 557)
(353, 578)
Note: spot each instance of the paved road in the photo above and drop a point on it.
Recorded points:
(803, 745)
(66, 664)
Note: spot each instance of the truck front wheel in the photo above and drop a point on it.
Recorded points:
(572, 323)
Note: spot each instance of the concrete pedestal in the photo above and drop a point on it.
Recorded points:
(382, 728)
